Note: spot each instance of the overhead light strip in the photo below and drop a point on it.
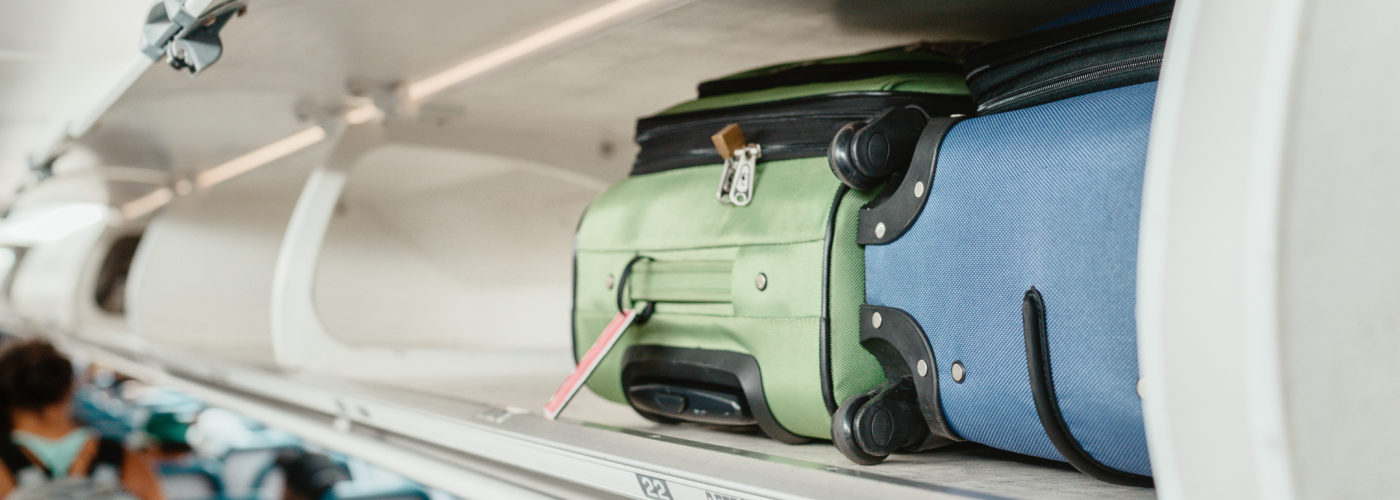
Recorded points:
(540, 40)
(362, 114)
(153, 200)
(261, 156)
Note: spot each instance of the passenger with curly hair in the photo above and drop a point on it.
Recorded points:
(42, 444)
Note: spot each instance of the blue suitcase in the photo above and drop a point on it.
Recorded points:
(1001, 267)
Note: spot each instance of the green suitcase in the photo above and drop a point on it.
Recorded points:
(746, 270)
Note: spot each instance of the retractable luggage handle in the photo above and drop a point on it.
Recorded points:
(649, 308)
(657, 363)
(672, 281)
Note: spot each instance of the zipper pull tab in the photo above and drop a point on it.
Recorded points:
(736, 180)
(726, 182)
(745, 163)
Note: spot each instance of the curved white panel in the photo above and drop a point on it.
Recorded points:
(1267, 298)
(413, 285)
(60, 239)
(1338, 333)
(432, 248)
(202, 277)
(1192, 286)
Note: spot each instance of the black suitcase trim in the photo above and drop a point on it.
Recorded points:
(703, 368)
(801, 127)
(904, 413)
(899, 343)
(1089, 56)
(897, 209)
(822, 73)
(824, 340)
(983, 57)
(1048, 408)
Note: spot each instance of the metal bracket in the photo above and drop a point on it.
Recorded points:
(899, 343)
(190, 40)
(895, 210)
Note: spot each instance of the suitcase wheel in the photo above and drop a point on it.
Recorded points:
(868, 427)
(843, 431)
(864, 154)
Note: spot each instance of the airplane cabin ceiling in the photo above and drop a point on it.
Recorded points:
(286, 61)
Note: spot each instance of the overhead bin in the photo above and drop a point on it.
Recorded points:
(434, 249)
(57, 242)
(422, 259)
(66, 228)
(202, 277)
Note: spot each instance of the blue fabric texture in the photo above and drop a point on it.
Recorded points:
(56, 454)
(1095, 11)
(1046, 197)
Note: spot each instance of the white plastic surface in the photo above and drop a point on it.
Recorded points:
(440, 249)
(202, 277)
(48, 287)
(373, 270)
(1266, 298)
(1191, 261)
(1338, 334)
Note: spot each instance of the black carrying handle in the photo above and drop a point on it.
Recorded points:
(1047, 407)
(646, 312)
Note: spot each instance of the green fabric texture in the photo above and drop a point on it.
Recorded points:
(853, 369)
(707, 257)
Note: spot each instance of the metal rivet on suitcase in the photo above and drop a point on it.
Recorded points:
(919, 189)
(760, 281)
(959, 373)
(923, 368)
(609, 282)
(876, 320)
(880, 230)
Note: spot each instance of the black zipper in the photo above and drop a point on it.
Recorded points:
(816, 72)
(791, 128)
(1025, 46)
(1031, 91)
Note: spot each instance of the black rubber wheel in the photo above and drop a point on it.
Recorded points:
(843, 431)
(840, 156)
